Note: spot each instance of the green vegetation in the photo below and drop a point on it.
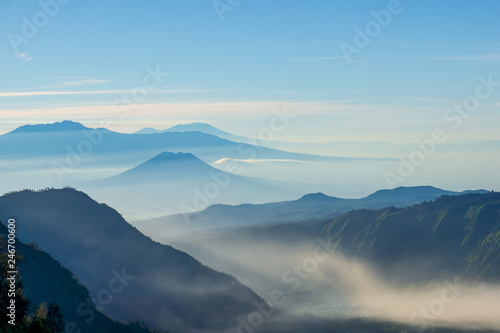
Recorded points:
(453, 234)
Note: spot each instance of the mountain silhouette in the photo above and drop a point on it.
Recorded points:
(148, 130)
(317, 197)
(166, 288)
(66, 137)
(165, 166)
(197, 127)
(453, 235)
(180, 182)
(45, 280)
(315, 206)
(411, 193)
(63, 126)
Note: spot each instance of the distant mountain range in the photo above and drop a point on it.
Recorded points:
(316, 206)
(39, 140)
(63, 126)
(198, 127)
(67, 153)
(146, 280)
(347, 149)
(337, 148)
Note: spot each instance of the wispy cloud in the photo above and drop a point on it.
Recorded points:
(45, 93)
(462, 57)
(284, 92)
(326, 61)
(24, 57)
(61, 83)
(75, 81)
(256, 161)
(96, 92)
(433, 100)
(202, 109)
(316, 59)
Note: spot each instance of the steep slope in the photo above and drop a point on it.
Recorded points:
(451, 235)
(45, 280)
(165, 287)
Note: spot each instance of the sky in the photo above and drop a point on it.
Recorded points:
(233, 63)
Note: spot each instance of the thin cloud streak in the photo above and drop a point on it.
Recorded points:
(82, 81)
(256, 161)
(316, 59)
(326, 61)
(349, 109)
(94, 92)
(464, 57)
(45, 93)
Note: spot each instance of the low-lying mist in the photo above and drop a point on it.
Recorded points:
(312, 279)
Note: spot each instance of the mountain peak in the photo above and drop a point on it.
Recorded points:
(167, 156)
(316, 197)
(426, 189)
(196, 126)
(63, 126)
(173, 164)
(148, 130)
(191, 127)
(402, 193)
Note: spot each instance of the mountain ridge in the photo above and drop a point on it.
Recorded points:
(313, 206)
(55, 138)
(93, 240)
(196, 127)
(62, 126)
(449, 234)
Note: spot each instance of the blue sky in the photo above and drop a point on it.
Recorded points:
(263, 55)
